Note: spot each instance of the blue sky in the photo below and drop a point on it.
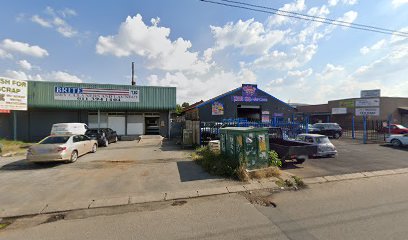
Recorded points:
(205, 50)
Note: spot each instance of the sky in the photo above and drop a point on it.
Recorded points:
(205, 50)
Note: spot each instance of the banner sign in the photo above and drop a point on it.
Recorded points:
(278, 114)
(370, 93)
(95, 94)
(249, 90)
(346, 103)
(217, 108)
(368, 111)
(265, 118)
(339, 110)
(13, 94)
(4, 111)
(265, 112)
(248, 99)
(369, 102)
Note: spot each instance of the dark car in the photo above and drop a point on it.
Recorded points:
(104, 136)
(329, 129)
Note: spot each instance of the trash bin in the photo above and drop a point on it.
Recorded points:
(249, 145)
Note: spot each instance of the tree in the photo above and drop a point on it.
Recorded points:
(179, 109)
(185, 104)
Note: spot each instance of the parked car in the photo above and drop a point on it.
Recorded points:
(394, 129)
(61, 148)
(397, 140)
(329, 129)
(310, 128)
(68, 128)
(104, 136)
(324, 146)
(289, 149)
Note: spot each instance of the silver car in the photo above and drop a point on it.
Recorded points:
(61, 148)
(324, 146)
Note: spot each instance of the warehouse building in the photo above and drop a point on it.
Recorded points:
(342, 111)
(246, 102)
(128, 110)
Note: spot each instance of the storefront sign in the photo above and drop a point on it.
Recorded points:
(265, 112)
(96, 94)
(217, 108)
(13, 94)
(265, 118)
(4, 111)
(278, 114)
(346, 103)
(370, 93)
(248, 99)
(369, 102)
(249, 90)
(367, 111)
(339, 110)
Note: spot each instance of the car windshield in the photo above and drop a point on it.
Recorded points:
(55, 140)
(400, 126)
(321, 140)
(92, 131)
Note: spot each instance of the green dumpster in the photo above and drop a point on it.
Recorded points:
(246, 144)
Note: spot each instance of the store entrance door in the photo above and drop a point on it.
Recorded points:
(152, 125)
(251, 113)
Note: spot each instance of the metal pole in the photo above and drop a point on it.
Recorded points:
(15, 125)
(99, 119)
(388, 124)
(307, 124)
(353, 128)
(365, 129)
(133, 74)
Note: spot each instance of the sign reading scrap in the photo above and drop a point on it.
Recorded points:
(217, 108)
(96, 94)
(13, 94)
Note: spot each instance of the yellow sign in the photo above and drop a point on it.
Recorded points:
(346, 103)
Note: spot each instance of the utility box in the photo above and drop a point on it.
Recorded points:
(248, 145)
(187, 138)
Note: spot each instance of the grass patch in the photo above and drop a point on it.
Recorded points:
(299, 182)
(9, 146)
(3, 225)
(265, 173)
(218, 164)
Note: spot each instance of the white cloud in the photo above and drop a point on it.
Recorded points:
(23, 48)
(350, 2)
(61, 76)
(398, 3)
(20, 75)
(39, 20)
(333, 2)
(348, 17)
(152, 43)
(55, 20)
(4, 54)
(376, 46)
(24, 64)
(250, 36)
(296, 6)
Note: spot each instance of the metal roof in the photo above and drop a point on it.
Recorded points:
(41, 95)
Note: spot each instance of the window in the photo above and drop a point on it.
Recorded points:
(55, 140)
(76, 139)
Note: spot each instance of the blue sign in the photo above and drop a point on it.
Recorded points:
(73, 90)
(249, 99)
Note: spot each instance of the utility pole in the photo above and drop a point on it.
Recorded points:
(133, 74)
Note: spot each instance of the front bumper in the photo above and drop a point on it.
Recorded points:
(326, 153)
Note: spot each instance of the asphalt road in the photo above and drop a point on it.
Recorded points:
(353, 156)
(369, 208)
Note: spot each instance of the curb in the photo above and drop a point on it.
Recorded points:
(49, 208)
(352, 176)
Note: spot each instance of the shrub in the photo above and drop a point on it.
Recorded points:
(274, 159)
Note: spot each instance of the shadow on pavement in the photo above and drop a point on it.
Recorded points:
(403, 148)
(170, 145)
(25, 165)
(190, 171)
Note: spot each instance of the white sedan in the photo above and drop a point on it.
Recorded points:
(61, 148)
(397, 140)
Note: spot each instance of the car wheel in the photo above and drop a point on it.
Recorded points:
(94, 148)
(74, 156)
(336, 136)
(396, 143)
(106, 142)
(116, 139)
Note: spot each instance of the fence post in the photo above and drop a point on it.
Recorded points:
(353, 136)
(365, 129)
(388, 123)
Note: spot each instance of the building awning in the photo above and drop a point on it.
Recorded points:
(403, 110)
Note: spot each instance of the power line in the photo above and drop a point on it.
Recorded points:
(263, 9)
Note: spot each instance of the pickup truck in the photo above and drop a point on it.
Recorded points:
(289, 150)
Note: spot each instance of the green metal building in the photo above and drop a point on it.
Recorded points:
(129, 110)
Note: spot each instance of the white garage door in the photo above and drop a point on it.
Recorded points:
(93, 120)
(135, 124)
(117, 123)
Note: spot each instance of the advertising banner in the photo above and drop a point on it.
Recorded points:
(13, 94)
(368, 111)
(278, 114)
(265, 112)
(217, 108)
(346, 103)
(95, 94)
(265, 118)
(339, 110)
(248, 99)
(370, 93)
(369, 102)
(249, 90)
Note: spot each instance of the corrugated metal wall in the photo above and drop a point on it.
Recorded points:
(41, 95)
